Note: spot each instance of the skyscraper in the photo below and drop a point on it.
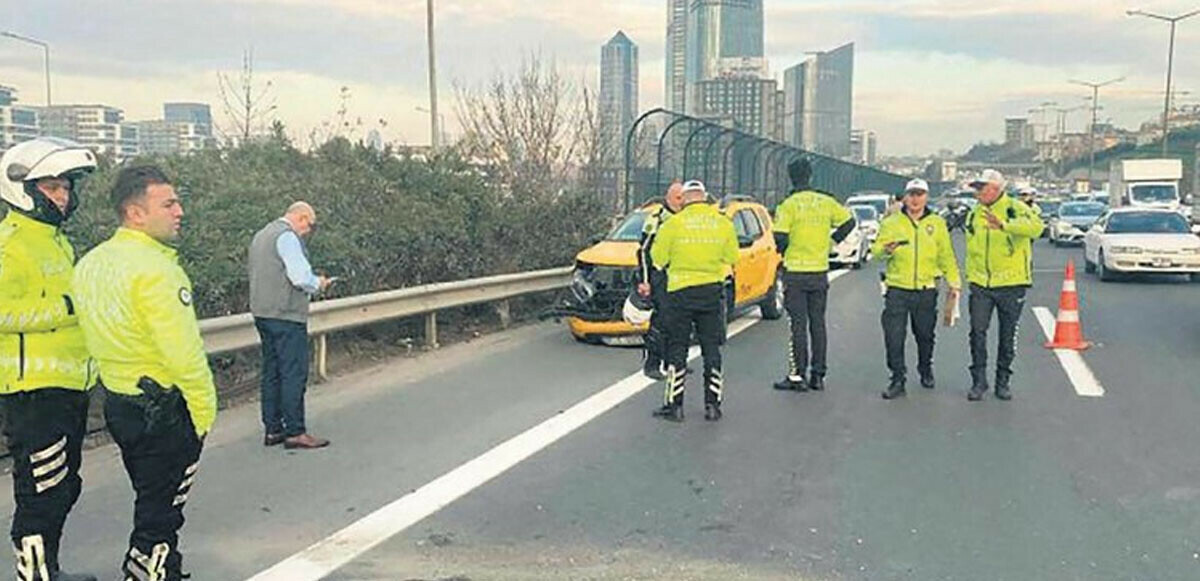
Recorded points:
(197, 113)
(721, 29)
(862, 146)
(744, 93)
(618, 92)
(819, 102)
(1018, 133)
(676, 87)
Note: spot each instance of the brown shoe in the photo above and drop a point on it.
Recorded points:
(273, 439)
(304, 442)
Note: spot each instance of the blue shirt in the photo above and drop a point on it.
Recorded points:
(299, 271)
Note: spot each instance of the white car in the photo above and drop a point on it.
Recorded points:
(854, 251)
(868, 221)
(1071, 221)
(880, 201)
(1141, 240)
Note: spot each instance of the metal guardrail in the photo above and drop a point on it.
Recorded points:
(234, 332)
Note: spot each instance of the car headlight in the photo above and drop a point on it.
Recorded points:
(582, 286)
(1125, 250)
(1192, 251)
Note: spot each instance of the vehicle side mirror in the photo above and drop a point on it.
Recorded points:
(745, 241)
(594, 240)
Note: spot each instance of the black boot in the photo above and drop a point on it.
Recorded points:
(895, 389)
(653, 369)
(712, 412)
(977, 390)
(786, 384)
(927, 379)
(671, 413)
(816, 383)
(1003, 393)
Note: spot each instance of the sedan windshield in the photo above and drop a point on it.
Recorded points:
(1081, 209)
(1147, 223)
(865, 213)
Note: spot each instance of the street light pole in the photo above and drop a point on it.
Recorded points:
(1092, 128)
(45, 49)
(1172, 20)
(442, 136)
(433, 100)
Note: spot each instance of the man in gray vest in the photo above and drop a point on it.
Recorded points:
(281, 282)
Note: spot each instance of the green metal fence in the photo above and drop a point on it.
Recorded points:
(730, 161)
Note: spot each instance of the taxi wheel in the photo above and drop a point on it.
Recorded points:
(772, 305)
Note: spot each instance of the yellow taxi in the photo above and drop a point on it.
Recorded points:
(606, 272)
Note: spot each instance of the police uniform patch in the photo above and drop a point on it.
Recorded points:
(185, 297)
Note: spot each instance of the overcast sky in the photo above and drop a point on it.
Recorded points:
(930, 74)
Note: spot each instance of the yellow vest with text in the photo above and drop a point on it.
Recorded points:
(928, 255)
(697, 246)
(135, 305)
(41, 344)
(1002, 258)
(807, 218)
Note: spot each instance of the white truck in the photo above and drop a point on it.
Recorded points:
(1151, 183)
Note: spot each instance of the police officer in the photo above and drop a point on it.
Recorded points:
(802, 234)
(1028, 196)
(916, 247)
(135, 305)
(697, 248)
(654, 283)
(44, 369)
(1000, 234)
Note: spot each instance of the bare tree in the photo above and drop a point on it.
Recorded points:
(249, 108)
(535, 130)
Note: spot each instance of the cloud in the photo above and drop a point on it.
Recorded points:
(929, 73)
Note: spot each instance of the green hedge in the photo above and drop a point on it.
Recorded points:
(384, 221)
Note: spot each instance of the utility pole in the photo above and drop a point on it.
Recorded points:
(1172, 20)
(45, 49)
(1060, 133)
(1092, 128)
(1040, 111)
(433, 100)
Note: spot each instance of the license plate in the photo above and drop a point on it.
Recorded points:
(623, 340)
(1161, 262)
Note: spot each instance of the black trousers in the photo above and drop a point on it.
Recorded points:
(161, 458)
(805, 297)
(284, 375)
(902, 308)
(44, 429)
(1007, 302)
(656, 336)
(696, 309)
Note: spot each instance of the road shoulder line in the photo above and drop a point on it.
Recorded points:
(1081, 376)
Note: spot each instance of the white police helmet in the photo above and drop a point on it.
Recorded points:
(45, 157)
(637, 310)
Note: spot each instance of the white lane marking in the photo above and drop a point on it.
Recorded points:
(326, 556)
(1078, 372)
